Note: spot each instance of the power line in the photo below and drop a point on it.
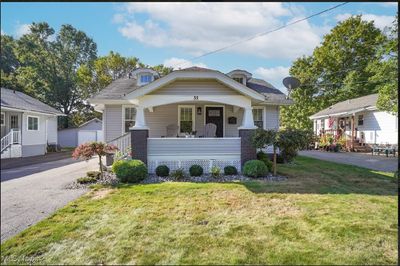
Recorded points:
(263, 33)
(341, 83)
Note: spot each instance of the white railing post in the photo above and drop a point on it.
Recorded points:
(12, 136)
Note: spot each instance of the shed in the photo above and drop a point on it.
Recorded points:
(90, 131)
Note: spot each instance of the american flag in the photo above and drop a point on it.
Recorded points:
(331, 121)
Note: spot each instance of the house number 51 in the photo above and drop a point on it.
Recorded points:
(195, 97)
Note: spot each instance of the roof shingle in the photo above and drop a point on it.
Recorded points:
(19, 100)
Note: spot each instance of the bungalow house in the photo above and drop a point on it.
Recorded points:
(27, 125)
(190, 116)
(359, 122)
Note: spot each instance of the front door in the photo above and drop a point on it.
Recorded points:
(14, 122)
(215, 115)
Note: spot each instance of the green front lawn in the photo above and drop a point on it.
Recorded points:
(325, 213)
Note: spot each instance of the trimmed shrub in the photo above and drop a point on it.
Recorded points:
(215, 171)
(255, 168)
(196, 170)
(130, 171)
(178, 174)
(94, 174)
(86, 180)
(230, 170)
(262, 156)
(162, 170)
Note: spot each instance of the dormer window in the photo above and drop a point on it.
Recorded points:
(240, 80)
(144, 79)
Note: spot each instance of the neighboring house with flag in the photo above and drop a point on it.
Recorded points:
(359, 121)
(28, 126)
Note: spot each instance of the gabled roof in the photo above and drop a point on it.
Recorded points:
(349, 106)
(90, 121)
(120, 88)
(18, 100)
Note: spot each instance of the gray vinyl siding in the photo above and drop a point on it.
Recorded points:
(68, 137)
(33, 150)
(113, 120)
(231, 130)
(203, 87)
(272, 117)
(193, 147)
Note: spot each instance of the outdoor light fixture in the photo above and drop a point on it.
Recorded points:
(199, 110)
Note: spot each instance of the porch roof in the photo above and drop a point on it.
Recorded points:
(348, 107)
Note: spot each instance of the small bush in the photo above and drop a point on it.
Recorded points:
(279, 159)
(162, 170)
(86, 180)
(215, 171)
(130, 171)
(396, 174)
(196, 170)
(262, 156)
(255, 168)
(94, 174)
(178, 174)
(230, 170)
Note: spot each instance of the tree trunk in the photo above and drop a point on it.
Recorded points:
(274, 165)
(101, 167)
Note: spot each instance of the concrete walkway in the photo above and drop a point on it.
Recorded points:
(376, 162)
(34, 196)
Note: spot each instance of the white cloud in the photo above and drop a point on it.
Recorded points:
(380, 21)
(118, 18)
(201, 27)
(21, 29)
(3, 32)
(273, 75)
(389, 4)
(177, 63)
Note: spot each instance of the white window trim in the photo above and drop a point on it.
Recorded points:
(27, 123)
(4, 118)
(193, 117)
(223, 115)
(263, 114)
(123, 116)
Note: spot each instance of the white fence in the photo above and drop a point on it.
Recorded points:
(184, 152)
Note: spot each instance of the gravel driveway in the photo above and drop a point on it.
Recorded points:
(27, 199)
(375, 162)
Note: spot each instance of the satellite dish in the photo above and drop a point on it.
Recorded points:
(291, 83)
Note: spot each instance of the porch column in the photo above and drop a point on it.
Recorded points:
(139, 135)
(246, 131)
(352, 132)
(248, 121)
(140, 121)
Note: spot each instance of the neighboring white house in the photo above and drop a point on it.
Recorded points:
(144, 107)
(358, 120)
(27, 125)
(89, 131)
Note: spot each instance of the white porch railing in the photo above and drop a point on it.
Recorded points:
(13, 137)
(184, 152)
(123, 143)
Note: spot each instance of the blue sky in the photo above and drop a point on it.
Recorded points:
(173, 33)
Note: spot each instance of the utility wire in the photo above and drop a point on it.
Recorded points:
(263, 33)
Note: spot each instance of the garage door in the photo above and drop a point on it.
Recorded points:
(86, 136)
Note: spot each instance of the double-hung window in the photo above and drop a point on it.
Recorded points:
(129, 117)
(33, 123)
(258, 117)
(186, 118)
